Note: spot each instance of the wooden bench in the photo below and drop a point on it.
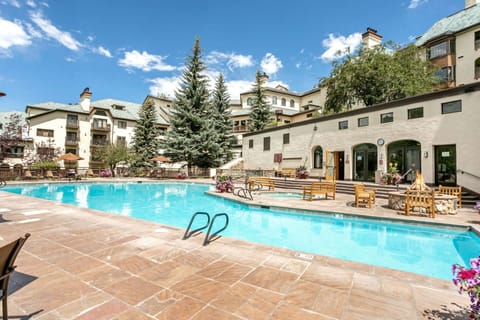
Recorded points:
(319, 188)
(452, 191)
(287, 172)
(260, 182)
(422, 199)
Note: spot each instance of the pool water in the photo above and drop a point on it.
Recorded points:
(414, 248)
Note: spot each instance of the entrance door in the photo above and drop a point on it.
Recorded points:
(340, 165)
(405, 156)
(330, 170)
(365, 162)
(446, 165)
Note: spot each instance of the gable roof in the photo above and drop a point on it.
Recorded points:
(452, 24)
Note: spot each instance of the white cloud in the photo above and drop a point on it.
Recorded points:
(102, 51)
(69, 59)
(270, 64)
(53, 32)
(235, 87)
(14, 3)
(233, 60)
(298, 65)
(32, 31)
(337, 47)
(166, 86)
(415, 3)
(12, 34)
(144, 61)
(31, 3)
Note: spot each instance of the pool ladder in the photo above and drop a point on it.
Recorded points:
(245, 193)
(208, 237)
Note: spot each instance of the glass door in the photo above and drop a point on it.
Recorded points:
(446, 165)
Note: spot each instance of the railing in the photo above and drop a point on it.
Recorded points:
(72, 124)
(243, 193)
(98, 127)
(3, 183)
(71, 141)
(397, 182)
(208, 237)
(468, 173)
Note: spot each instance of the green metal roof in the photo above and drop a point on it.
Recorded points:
(452, 24)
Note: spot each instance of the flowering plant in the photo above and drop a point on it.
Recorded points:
(181, 175)
(302, 172)
(392, 176)
(477, 206)
(224, 183)
(105, 173)
(468, 280)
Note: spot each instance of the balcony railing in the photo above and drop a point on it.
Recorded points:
(98, 143)
(69, 141)
(72, 124)
(100, 127)
(239, 128)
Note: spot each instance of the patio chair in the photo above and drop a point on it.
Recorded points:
(28, 175)
(8, 254)
(364, 196)
(421, 199)
(452, 191)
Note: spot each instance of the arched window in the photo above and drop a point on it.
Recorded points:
(318, 158)
(274, 100)
(249, 101)
(284, 102)
(292, 104)
(477, 69)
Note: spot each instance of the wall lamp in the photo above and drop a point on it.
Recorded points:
(425, 154)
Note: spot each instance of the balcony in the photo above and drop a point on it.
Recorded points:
(71, 141)
(240, 128)
(98, 143)
(72, 124)
(100, 127)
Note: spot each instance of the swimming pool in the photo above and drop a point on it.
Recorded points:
(413, 248)
(282, 195)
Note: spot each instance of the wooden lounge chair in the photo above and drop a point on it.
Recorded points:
(364, 196)
(49, 175)
(8, 254)
(319, 188)
(452, 191)
(28, 175)
(421, 199)
(287, 172)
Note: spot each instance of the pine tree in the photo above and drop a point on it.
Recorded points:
(261, 114)
(193, 137)
(223, 125)
(145, 141)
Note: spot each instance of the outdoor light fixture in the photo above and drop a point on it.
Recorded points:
(425, 154)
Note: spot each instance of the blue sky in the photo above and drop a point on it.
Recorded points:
(127, 49)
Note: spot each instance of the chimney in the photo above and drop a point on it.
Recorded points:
(371, 38)
(85, 99)
(471, 3)
(263, 78)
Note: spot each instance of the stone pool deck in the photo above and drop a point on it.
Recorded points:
(85, 264)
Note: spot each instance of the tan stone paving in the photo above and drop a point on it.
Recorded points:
(84, 264)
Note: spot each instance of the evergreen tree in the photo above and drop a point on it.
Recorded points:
(192, 136)
(145, 140)
(223, 125)
(376, 75)
(261, 114)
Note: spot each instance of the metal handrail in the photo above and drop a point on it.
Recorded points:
(187, 234)
(402, 177)
(244, 191)
(208, 237)
(469, 173)
(3, 183)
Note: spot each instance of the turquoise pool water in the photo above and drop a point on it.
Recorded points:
(420, 249)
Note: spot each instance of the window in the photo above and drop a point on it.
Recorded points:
(452, 106)
(72, 151)
(386, 117)
(342, 125)
(44, 133)
(118, 107)
(309, 115)
(284, 102)
(286, 121)
(446, 74)
(122, 124)
(363, 122)
(100, 123)
(286, 138)
(477, 69)
(292, 103)
(71, 137)
(100, 113)
(14, 152)
(441, 49)
(46, 152)
(249, 102)
(72, 120)
(274, 100)
(121, 141)
(1, 126)
(477, 40)
(415, 113)
(318, 158)
(250, 143)
(266, 143)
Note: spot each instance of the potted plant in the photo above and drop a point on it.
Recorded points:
(468, 280)
(302, 172)
(224, 184)
(392, 176)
